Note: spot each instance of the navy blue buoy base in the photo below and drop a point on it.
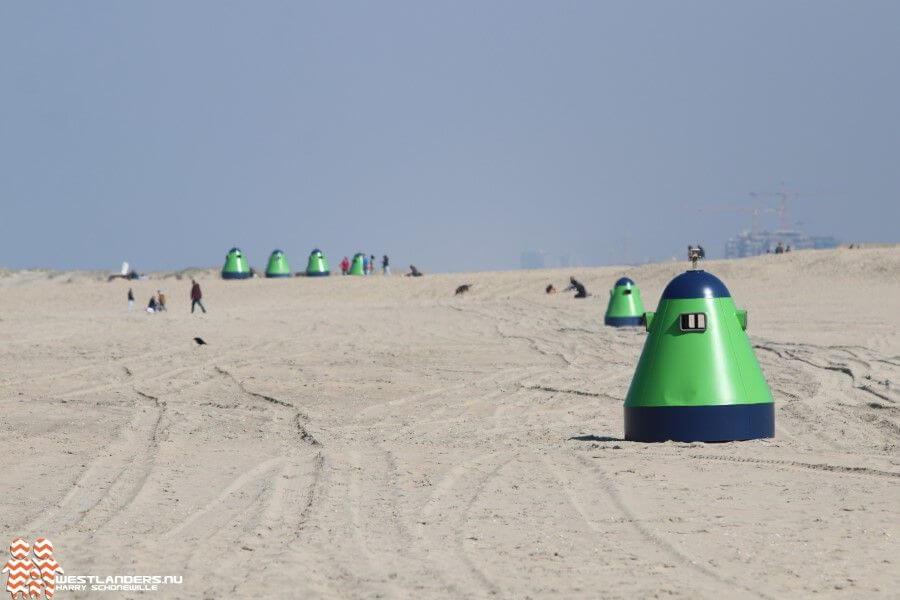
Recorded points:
(241, 275)
(624, 321)
(723, 423)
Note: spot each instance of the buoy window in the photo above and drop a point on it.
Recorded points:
(693, 322)
(626, 292)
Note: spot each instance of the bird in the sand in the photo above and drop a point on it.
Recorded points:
(199, 341)
(463, 289)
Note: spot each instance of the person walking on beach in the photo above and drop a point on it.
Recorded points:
(160, 301)
(345, 266)
(371, 264)
(130, 299)
(366, 264)
(196, 296)
(385, 265)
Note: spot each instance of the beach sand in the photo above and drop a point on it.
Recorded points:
(380, 438)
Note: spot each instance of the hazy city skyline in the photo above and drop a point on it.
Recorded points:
(455, 136)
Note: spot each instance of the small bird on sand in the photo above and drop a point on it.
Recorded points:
(463, 289)
(199, 341)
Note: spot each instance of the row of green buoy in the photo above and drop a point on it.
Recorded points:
(698, 378)
(236, 266)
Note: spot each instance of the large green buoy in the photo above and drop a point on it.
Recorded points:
(625, 307)
(317, 265)
(356, 267)
(236, 266)
(698, 378)
(278, 265)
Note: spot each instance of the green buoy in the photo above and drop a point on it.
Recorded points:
(698, 378)
(356, 267)
(236, 266)
(625, 308)
(317, 265)
(278, 265)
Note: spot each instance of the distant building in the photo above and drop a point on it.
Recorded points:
(824, 241)
(754, 243)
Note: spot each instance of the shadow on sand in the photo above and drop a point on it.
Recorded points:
(596, 438)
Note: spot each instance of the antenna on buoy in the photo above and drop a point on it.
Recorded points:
(695, 253)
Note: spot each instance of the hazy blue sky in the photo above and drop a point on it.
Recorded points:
(452, 135)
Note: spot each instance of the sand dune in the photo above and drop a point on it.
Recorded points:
(379, 437)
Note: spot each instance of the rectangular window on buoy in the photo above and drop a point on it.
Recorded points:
(693, 322)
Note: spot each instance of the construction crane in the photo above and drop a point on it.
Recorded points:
(783, 208)
(755, 210)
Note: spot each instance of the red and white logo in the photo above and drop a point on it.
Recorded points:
(31, 578)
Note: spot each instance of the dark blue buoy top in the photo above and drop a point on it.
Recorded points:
(624, 281)
(695, 284)
(235, 249)
(277, 251)
(315, 251)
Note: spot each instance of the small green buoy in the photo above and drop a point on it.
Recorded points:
(278, 265)
(317, 266)
(698, 378)
(357, 266)
(625, 308)
(236, 266)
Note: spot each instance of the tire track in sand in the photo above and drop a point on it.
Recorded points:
(299, 418)
(817, 467)
(112, 480)
(608, 487)
(444, 518)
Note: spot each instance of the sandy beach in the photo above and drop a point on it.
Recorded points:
(377, 437)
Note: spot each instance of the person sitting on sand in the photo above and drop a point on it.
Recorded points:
(578, 287)
(550, 289)
(160, 301)
(413, 272)
(152, 306)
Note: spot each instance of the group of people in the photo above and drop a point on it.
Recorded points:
(157, 301)
(574, 284)
(368, 265)
(156, 304)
